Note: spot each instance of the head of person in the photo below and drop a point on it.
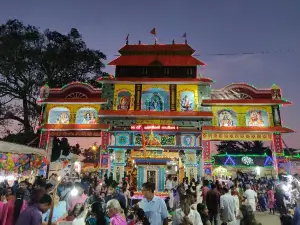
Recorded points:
(234, 192)
(185, 204)
(213, 186)
(22, 186)
(97, 192)
(113, 207)
(202, 209)
(124, 186)
(175, 179)
(79, 187)
(247, 214)
(9, 192)
(148, 190)
(225, 189)
(96, 211)
(111, 188)
(248, 186)
(49, 188)
(44, 204)
(169, 177)
(140, 215)
(181, 189)
(205, 183)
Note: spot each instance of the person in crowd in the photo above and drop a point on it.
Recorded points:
(213, 204)
(203, 211)
(15, 187)
(96, 215)
(227, 207)
(154, 207)
(169, 188)
(205, 189)
(287, 220)
(280, 196)
(185, 214)
(140, 217)
(59, 211)
(180, 192)
(236, 201)
(251, 197)
(248, 217)
(14, 206)
(126, 194)
(95, 197)
(115, 212)
(49, 188)
(79, 197)
(113, 194)
(33, 214)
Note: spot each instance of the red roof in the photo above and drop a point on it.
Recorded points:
(153, 114)
(155, 80)
(157, 48)
(147, 60)
(248, 129)
(72, 100)
(245, 101)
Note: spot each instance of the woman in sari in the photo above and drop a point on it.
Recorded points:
(13, 207)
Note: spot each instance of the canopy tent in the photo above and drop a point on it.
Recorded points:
(8, 147)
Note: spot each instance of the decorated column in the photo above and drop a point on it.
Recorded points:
(190, 164)
(277, 150)
(206, 155)
(118, 164)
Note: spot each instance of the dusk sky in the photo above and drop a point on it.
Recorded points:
(212, 27)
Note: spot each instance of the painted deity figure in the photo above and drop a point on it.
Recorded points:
(225, 119)
(124, 103)
(89, 118)
(93, 119)
(186, 103)
(63, 118)
(155, 103)
(152, 140)
(256, 119)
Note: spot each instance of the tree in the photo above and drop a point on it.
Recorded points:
(242, 147)
(29, 58)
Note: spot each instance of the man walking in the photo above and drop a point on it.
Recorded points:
(213, 204)
(227, 207)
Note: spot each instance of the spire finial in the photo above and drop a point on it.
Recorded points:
(140, 42)
(173, 42)
(185, 41)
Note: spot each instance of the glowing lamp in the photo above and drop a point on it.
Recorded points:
(74, 192)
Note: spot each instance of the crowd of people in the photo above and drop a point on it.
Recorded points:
(90, 201)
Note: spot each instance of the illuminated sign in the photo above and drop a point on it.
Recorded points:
(153, 127)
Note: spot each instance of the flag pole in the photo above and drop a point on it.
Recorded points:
(143, 141)
(185, 39)
(153, 32)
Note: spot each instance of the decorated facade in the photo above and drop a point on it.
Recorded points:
(156, 95)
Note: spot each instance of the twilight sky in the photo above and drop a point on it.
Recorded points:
(231, 26)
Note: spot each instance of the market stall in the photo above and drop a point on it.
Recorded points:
(19, 160)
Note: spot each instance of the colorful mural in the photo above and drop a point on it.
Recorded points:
(257, 118)
(122, 139)
(86, 116)
(124, 96)
(188, 140)
(187, 99)
(155, 99)
(123, 100)
(241, 113)
(227, 118)
(59, 115)
(163, 139)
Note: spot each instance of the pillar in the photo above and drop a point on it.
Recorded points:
(161, 178)
(206, 155)
(105, 140)
(277, 151)
(140, 177)
(190, 164)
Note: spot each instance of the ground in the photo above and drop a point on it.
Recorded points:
(266, 218)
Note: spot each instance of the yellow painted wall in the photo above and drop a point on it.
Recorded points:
(73, 108)
(124, 87)
(241, 113)
(165, 87)
(187, 87)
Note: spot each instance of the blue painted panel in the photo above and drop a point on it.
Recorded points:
(161, 180)
(140, 179)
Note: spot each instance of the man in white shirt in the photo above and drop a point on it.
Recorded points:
(251, 197)
(169, 188)
(227, 207)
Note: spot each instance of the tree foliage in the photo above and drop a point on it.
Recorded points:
(242, 147)
(30, 57)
